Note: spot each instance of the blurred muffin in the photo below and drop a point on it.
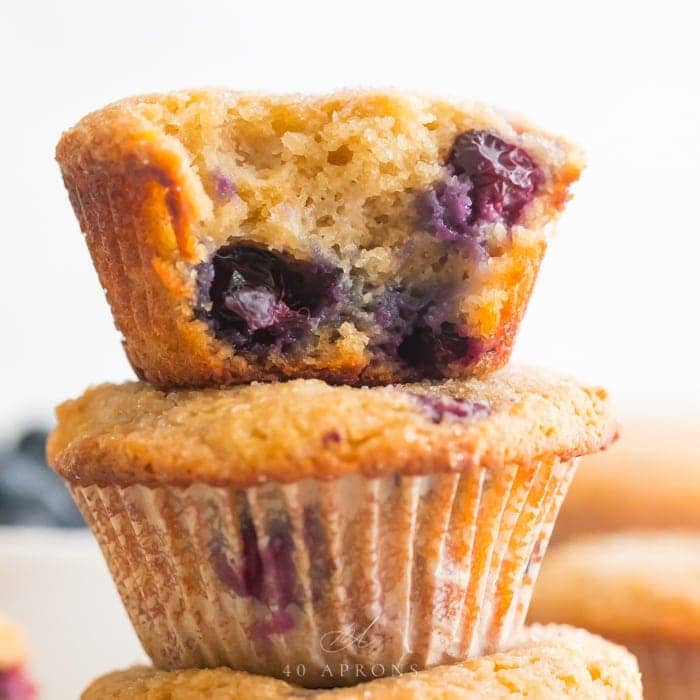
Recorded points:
(359, 237)
(640, 589)
(14, 681)
(548, 663)
(650, 480)
(264, 526)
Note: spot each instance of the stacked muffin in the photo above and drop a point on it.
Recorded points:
(385, 508)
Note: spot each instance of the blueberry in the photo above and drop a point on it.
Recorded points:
(486, 180)
(437, 408)
(255, 297)
(504, 177)
(396, 313)
(33, 443)
(446, 209)
(429, 350)
(409, 329)
(30, 493)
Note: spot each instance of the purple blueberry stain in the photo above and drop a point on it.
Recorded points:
(330, 438)
(267, 573)
(321, 562)
(446, 211)
(486, 180)
(410, 330)
(396, 313)
(430, 350)
(223, 185)
(439, 408)
(258, 299)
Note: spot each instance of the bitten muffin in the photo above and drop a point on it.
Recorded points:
(359, 237)
(548, 663)
(640, 589)
(14, 680)
(302, 524)
(651, 480)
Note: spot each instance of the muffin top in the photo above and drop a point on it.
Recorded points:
(12, 645)
(548, 662)
(628, 585)
(224, 148)
(249, 434)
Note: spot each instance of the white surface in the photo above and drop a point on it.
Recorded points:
(619, 289)
(57, 584)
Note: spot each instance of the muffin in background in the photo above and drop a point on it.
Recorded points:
(14, 679)
(639, 589)
(361, 237)
(550, 662)
(300, 525)
(649, 480)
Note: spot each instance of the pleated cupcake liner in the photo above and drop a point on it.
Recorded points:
(328, 583)
(670, 670)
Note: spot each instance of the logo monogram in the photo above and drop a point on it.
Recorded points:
(340, 640)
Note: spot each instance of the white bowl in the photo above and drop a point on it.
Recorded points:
(56, 584)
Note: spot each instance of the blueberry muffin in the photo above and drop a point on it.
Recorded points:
(358, 237)
(641, 589)
(300, 523)
(649, 481)
(14, 681)
(547, 662)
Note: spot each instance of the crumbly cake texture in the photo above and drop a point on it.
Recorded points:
(630, 586)
(551, 662)
(247, 526)
(359, 237)
(12, 645)
(285, 432)
(653, 471)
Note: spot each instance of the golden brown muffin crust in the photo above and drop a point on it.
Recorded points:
(306, 428)
(551, 663)
(138, 173)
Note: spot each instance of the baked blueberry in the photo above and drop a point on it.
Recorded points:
(256, 297)
(360, 237)
(486, 180)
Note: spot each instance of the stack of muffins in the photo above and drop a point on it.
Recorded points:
(325, 476)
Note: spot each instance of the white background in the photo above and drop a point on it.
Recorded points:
(617, 297)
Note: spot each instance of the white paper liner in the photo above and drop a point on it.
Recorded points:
(327, 583)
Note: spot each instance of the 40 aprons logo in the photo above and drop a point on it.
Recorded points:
(338, 641)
